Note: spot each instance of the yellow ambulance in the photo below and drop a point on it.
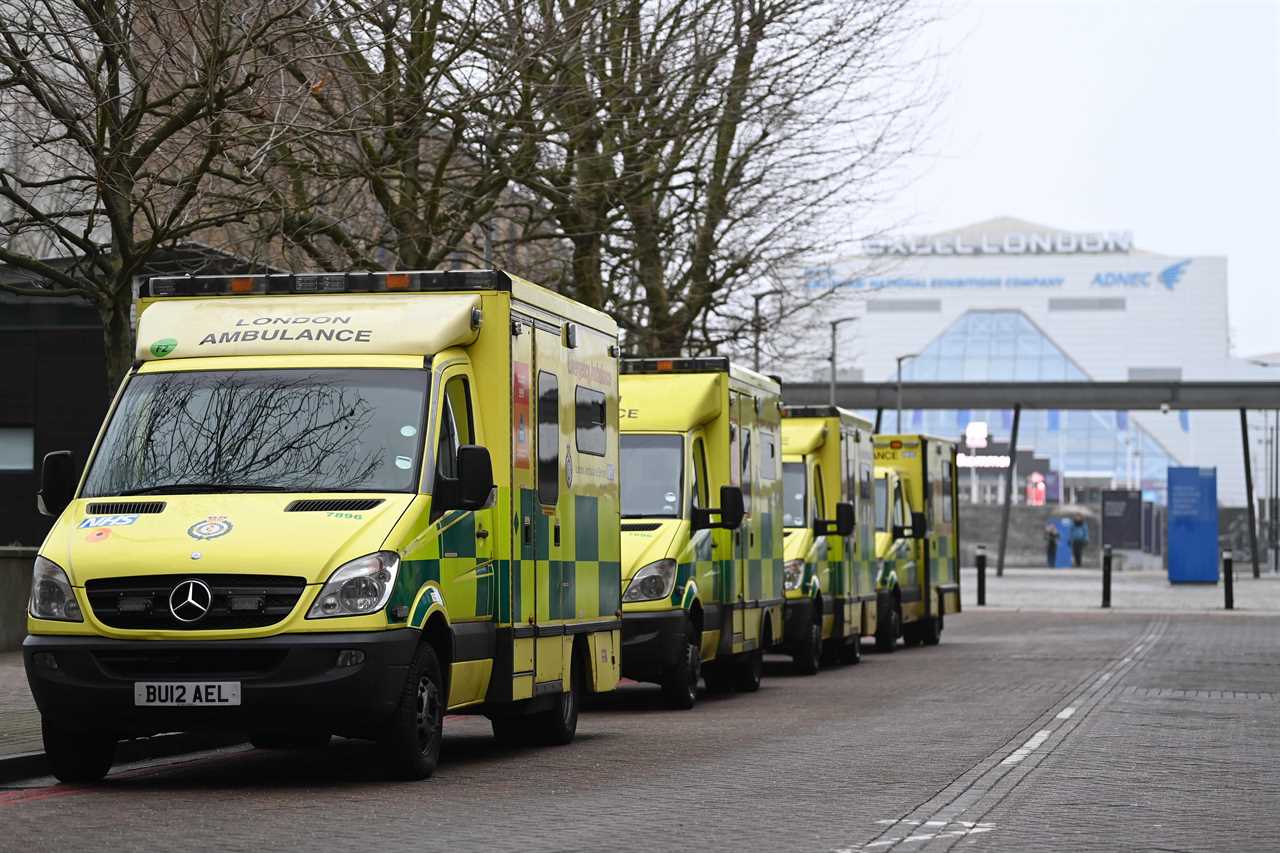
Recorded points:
(828, 513)
(701, 524)
(336, 504)
(917, 538)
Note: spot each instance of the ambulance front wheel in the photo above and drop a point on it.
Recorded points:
(77, 756)
(680, 682)
(808, 651)
(888, 624)
(931, 631)
(411, 745)
(851, 652)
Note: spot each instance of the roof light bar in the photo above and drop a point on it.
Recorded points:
(312, 283)
(674, 365)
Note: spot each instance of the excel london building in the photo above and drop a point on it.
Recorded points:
(1007, 300)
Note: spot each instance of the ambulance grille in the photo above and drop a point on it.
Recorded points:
(175, 663)
(237, 601)
(126, 508)
(333, 505)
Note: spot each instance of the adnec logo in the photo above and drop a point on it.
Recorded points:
(1170, 275)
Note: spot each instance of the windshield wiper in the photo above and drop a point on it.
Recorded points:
(202, 489)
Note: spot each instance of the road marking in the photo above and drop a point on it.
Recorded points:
(1104, 677)
(1065, 714)
(1029, 747)
(958, 829)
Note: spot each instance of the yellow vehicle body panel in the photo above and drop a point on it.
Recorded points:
(728, 583)
(833, 449)
(927, 568)
(525, 589)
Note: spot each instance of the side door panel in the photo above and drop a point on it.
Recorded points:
(551, 577)
(524, 510)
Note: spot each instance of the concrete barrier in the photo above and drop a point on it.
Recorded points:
(15, 592)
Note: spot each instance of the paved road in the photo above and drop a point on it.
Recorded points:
(1021, 731)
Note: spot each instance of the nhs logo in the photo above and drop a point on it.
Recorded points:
(108, 521)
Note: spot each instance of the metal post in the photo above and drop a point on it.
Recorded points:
(879, 415)
(834, 324)
(1228, 580)
(901, 358)
(755, 332)
(981, 560)
(1248, 490)
(1106, 575)
(1008, 491)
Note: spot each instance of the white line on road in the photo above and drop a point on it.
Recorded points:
(1029, 747)
(1065, 714)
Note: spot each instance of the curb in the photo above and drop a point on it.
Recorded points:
(32, 765)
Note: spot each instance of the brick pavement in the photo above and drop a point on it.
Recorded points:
(1172, 744)
(19, 720)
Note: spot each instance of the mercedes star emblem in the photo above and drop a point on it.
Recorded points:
(190, 600)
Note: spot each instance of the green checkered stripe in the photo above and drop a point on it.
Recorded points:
(944, 562)
(453, 534)
(585, 582)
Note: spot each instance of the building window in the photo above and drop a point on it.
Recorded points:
(17, 449)
(589, 421)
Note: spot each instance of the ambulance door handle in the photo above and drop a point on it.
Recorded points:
(481, 533)
(556, 536)
(528, 531)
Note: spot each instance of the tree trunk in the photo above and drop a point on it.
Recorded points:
(117, 337)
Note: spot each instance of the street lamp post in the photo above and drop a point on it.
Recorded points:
(834, 325)
(755, 325)
(901, 359)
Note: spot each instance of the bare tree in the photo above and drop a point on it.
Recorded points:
(119, 122)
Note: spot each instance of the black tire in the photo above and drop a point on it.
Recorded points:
(282, 740)
(748, 669)
(931, 631)
(851, 652)
(680, 682)
(808, 653)
(557, 726)
(718, 676)
(888, 627)
(411, 742)
(77, 757)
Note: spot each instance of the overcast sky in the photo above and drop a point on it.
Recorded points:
(1161, 118)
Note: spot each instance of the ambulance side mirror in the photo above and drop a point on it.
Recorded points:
(842, 525)
(475, 477)
(731, 512)
(57, 482)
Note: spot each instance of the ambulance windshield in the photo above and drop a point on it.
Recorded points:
(296, 430)
(652, 466)
(793, 494)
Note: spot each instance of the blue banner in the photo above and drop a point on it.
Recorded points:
(1193, 525)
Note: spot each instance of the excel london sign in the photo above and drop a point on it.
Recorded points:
(1008, 243)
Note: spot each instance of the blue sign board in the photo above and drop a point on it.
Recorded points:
(1193, 525)
(1062, 558)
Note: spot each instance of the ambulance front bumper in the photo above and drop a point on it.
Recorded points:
(651, 643)
(288, 683)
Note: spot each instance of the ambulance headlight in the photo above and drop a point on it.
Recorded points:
(792, 574)
(51, 594)
(358, 587)
(652, 582)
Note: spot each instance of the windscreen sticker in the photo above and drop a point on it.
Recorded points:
(408, 430)
(108, 521)
(164, 347)
(404, 463)
(211, 528)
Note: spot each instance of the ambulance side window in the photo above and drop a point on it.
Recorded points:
(745, 468)
(548, 438)
(768, 456)
(819, 497)
(699, 491)
(948, 496)
(589, 421)
(456, 425)
(899, 517)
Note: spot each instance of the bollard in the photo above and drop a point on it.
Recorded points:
(1106, 575)
(981, 560)
(1228, 580)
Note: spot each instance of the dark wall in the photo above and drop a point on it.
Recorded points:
(53, 379)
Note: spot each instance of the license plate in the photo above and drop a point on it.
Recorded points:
(186, 694)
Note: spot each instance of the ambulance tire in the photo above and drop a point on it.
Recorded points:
(912, 635)
(888, 627)
(718, 676)
(284, 740)
(557, 726)
(77, 756)
(931, 631)
(851, 652)
(808, 654)
(748, 669)
(411, 743)
(680, 682)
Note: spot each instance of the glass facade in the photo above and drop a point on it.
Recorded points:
(1005, 346)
